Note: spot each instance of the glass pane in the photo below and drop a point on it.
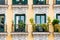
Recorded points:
(42, 0)
(1, 23)
(38, 19)
(22, 18)
(2, 2)
(42, 19)
(17, 19)
(57, 1)
(19, 2)
(39, 1)
(24, 1)
(58, 17)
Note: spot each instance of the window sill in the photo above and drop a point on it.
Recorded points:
(38, 6)
(17, 33)
(4, 6)
(56, 33)
(21, 6)
(57, 5)
(3, 33)
(41, 33)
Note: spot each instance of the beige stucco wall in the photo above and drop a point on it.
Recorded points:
(29, 14)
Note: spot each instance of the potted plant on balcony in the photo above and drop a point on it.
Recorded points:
(21, 26)
(56, 25)
(39, 28)
(45, 27)
(33, 25)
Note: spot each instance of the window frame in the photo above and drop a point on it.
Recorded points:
(57, 16)
(15, 19)
(40, 18)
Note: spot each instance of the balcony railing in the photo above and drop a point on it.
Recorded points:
(20, 28)
(36, 28)
(40, 28)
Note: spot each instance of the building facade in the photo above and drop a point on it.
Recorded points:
(15, 20)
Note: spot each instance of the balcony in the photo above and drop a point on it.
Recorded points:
(20, 28)
(40, 28)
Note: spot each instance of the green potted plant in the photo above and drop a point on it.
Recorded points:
(39, 28)
(56, 25)
(21, 26)
(33, 25)
(45, 27)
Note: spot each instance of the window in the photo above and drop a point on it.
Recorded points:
(2, 2)
(40, 18)
(19, 2)
(41, 2)
(2, 20)
(58, 16)
(57, 1)
(20, 22)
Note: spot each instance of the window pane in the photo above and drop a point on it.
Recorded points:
(39, 1)
(21, 2)
(22, 18)
(57, 1)
(38, 20)
(58, 17)
(17, 19)
(42, 19)
(2, 23)
(2, 2)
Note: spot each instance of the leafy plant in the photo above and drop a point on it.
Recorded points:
(33, 25)
(45, 27)
(32, 21)
(57, 28)
(38, 28)
(49, 20)
(55, 21)
(21, 26)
